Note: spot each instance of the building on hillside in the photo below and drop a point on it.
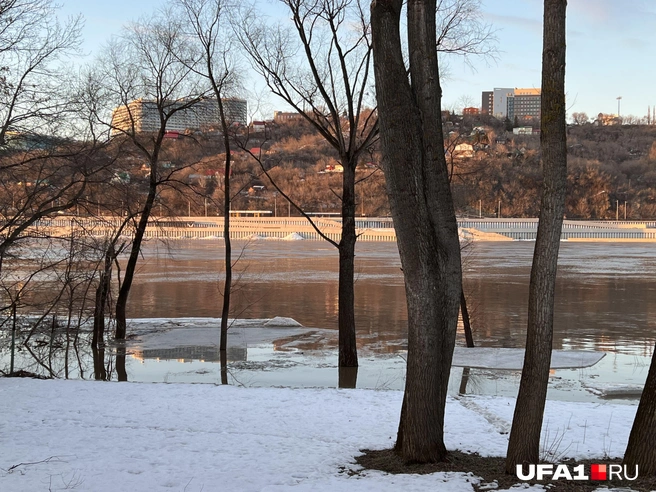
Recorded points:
(257, 126)
(608, 120)
(522, 104)
(500, 102)
(471, 111)
(487, 102)
(142, 116)
(526, 104)
(283, 117)
(463, 151)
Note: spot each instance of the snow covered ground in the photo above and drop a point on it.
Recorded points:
(95, 436)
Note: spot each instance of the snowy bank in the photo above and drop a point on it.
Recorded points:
(96, 436)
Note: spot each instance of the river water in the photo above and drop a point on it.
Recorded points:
(605, 301)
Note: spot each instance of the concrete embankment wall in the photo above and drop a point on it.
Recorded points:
(368, 229)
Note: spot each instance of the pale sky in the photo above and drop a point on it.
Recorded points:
(610, 50)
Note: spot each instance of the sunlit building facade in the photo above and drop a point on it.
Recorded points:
(510, 103)
(142, 116)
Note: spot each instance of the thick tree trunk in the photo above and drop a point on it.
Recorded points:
(347, 377)
(348, 352)
(422, 207)
(121, 372)
(99, 372)
(524, 444)
(640, 450)
(124, 291)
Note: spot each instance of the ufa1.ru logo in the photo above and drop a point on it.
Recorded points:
(599, 472)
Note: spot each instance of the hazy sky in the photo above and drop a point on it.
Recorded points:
(610, 51)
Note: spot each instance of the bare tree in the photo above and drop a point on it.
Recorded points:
(141, 76)
(41, 170)
(33, 49)
(207, 21)
(580, 118)
(424, 218)
(462, 31)
(321, 68)
(524, 443)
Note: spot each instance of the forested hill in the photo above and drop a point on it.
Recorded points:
(611, 169)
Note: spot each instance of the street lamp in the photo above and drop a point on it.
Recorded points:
(619, 98)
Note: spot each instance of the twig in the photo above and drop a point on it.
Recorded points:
(47, 460)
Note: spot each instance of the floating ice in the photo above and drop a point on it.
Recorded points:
(513, 358)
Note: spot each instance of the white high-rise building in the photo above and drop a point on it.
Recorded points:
(142, 116)
(500, 101)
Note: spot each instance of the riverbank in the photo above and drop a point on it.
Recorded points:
(104, 437)
(369, 229)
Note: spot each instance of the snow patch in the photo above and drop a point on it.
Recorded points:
(130, 436)
(282, 321)
(294, 236)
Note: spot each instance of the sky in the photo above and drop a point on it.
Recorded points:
(610, 45)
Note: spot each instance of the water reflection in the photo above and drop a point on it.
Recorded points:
(348, 377)
(192, 352)
(604, 301)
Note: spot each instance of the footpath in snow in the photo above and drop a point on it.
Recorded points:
(108, 437)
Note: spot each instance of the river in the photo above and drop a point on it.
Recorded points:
(605, 301)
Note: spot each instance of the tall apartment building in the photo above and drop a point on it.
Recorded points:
(500, 98)
(512, 103)
(142, 115)
(527, 104)
(487, 102)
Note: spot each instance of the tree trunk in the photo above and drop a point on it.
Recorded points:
(424, 218)
(102, 292)
(99, 372)
(348, 352)
(466, 322)
(640, 450)
(224, 366)
(524, 443)
(121, 372)
(227, 286)
(124, 291)
(347, 377)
